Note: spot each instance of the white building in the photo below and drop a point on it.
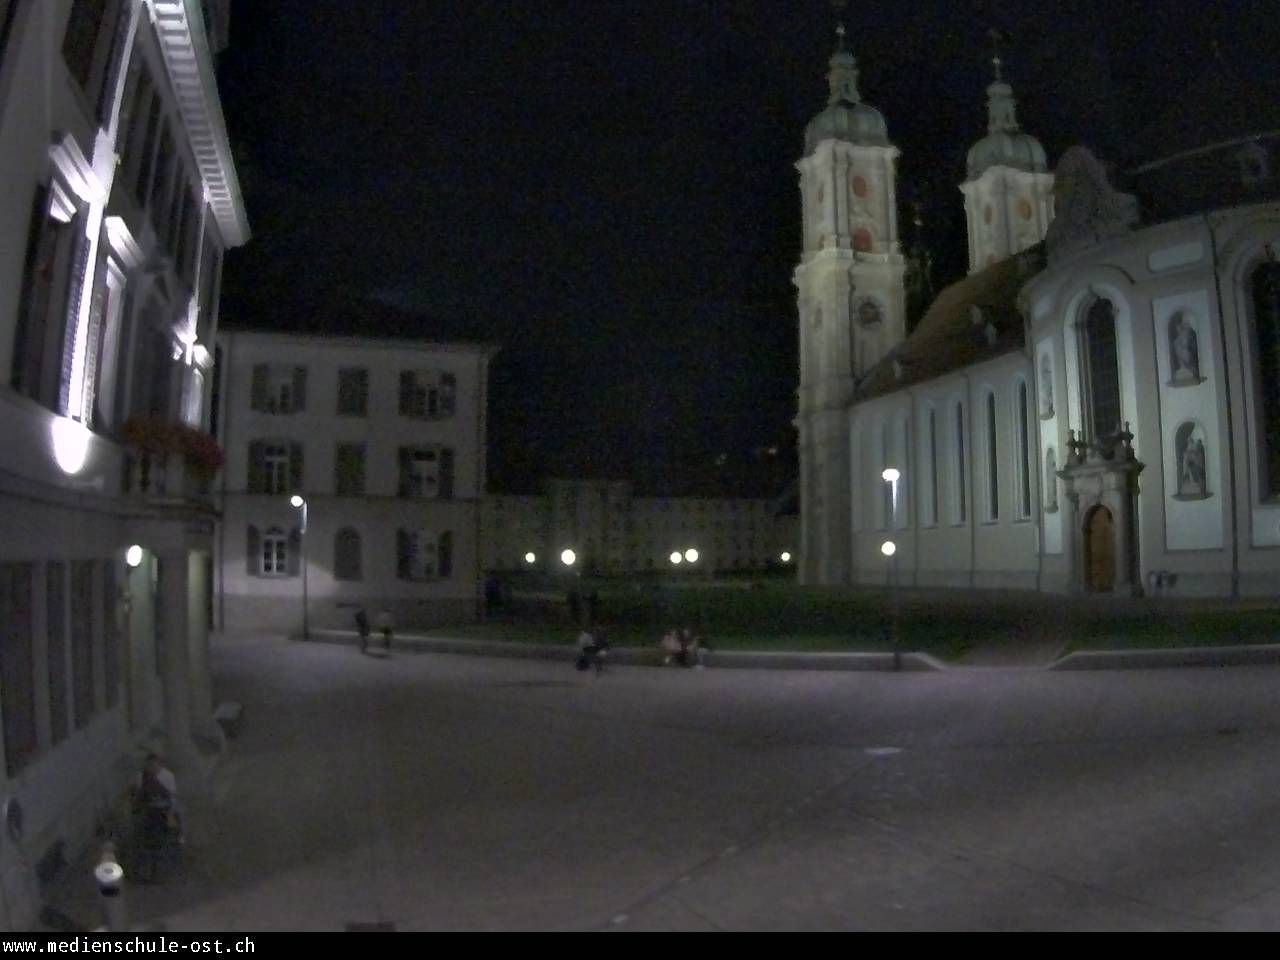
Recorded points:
(385, 442)
(1095, 407)
(119, 199)
(610, 530)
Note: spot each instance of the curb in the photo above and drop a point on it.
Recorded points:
(641, 657)
(1234, 656)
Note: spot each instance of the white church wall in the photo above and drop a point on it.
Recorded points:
(1049, 392)
(1192, 434)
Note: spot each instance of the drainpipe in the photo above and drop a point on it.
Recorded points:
(1231, 433)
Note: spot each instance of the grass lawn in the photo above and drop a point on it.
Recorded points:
(778, 615)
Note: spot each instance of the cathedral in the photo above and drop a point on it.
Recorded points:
(1095, 408)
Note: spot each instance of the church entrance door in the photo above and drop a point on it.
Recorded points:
(1100, 551)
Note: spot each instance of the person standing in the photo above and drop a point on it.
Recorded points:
(386, 626)
(362, 627)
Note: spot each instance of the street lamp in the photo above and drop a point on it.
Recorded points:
(298, 503)
(676, 558)
(531, 558)
(691, 555)
(786, 556)
(568, 558)
(890, 551)
(133, 556)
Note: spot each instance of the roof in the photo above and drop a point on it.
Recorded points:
(337, 340)
(1221, 106)
(951, 335)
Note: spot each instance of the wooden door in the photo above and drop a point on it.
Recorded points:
(1100, 551)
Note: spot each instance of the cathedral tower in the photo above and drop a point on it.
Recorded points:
(851, 300)
(1008, 196)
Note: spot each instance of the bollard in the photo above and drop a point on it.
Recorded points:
(110, 878)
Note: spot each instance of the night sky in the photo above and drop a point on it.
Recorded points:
(607, 188)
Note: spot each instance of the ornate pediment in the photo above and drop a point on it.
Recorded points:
(1087, 210)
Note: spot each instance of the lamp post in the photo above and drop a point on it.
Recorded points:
(890, 475)
(298, 503)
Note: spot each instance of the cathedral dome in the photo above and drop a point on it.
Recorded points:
(846, 117)
(858, 123)
(1005, 145)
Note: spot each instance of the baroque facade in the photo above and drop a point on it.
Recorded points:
(1094, 408)
(120, 199)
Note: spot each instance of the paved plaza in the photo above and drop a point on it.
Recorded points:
(434, 791)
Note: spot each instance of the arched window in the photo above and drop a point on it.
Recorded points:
(932, 501)
(1024, 453)
(961, 501)
(993, 462)
(1266, 332)
(902, 489)
(1101, 374)
(347, 563)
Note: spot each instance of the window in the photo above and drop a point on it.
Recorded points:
(353, 392)
(886, 489)
(932, 519)
(108, 348)
(147, 149)
(56, 630)
(274, 553)
(17, 666)
(1266, 344)
(993, 462)
(427, 394)
(346, 555)
(961, 502)
(421, 555)
(81, 38)
(275, 460)
(1024, 453)
(275, 466)
(162, 183)
(349, 470)
(111, 639)
(278, 388)
(902, 489)
(82, 606)
(38, 336)
(1102, 372)
(426, 473)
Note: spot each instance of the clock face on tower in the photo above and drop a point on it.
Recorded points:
(868, 312)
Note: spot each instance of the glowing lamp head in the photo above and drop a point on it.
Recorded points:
(70, 445)
(786, 557)
(890, 474)
(888, 548)
(691, 555)
(568, 558)
(133, 556)
(296, 501)
(530, 557)
(676, 557)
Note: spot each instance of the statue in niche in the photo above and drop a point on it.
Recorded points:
(1184, 349)
(1189, 449)
(1050, 481)
(1046, 387)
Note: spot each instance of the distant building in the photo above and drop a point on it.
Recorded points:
(119, 199)
(1095, 407)
(385, 441)
(612, 531)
